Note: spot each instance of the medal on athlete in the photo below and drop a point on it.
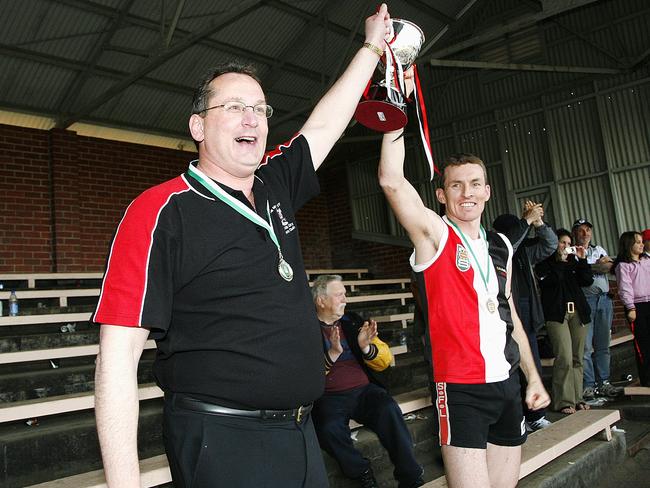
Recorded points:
(284, 269)
(490, 304)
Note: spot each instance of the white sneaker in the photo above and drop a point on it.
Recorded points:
(538, 424)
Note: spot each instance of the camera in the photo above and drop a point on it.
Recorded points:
(570, 250)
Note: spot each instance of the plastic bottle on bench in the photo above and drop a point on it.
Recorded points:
(13, 304)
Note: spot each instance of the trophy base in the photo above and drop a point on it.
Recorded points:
(380, 116)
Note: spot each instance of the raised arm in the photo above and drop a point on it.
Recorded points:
(424, 227)
(333, 112)
(116, 402)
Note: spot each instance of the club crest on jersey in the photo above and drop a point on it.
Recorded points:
(462, 258)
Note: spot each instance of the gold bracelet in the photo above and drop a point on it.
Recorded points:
(377, 50)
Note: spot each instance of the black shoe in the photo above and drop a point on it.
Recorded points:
(367, 479)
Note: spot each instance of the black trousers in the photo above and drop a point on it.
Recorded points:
(213, 451)
(374, 408)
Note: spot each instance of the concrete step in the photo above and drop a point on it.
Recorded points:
(69, 377)
(51, 339)
(63, 445)
(426, 447)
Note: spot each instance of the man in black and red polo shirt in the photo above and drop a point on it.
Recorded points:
(209, 265)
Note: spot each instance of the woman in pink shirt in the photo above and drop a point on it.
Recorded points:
(632, 271)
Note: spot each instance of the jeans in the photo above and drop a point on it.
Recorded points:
(596, 360)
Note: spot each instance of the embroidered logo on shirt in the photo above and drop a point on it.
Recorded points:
(286, 225)
(462, 258)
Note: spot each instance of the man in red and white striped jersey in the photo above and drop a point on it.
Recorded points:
(477, 340)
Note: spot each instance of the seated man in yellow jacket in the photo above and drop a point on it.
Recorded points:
(353, 353)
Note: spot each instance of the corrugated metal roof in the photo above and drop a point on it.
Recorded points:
(83, 60)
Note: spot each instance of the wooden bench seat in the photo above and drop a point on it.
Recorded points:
(547, 444)
(311, 273)
(62, 404)
(354, 284)
(401, 296)
(52, 318)
(636, 390)
(155, 470)
(32, 278)
(61, 294)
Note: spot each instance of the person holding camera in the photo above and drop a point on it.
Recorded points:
(567, 313)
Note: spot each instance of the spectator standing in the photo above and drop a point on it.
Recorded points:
(646, 243)
(567, 314)
(599, 331)
(529, 251)
(632, 269)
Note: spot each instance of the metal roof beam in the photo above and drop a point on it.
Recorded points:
(242, 9)
(307, 17)
(450, 63)
(461, 19)
(550, 10)
(430, 10)
(71, 91)
(174, 23)
(91, 7)
(308, 106)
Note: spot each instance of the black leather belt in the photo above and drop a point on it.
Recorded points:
(298, 414)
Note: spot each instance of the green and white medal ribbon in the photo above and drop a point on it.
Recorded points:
(284, 268)
(490, 304)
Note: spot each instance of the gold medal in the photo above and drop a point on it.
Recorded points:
(491, 305)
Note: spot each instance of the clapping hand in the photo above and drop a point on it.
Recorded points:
(367, 333)
(336, 349)
(533, 213)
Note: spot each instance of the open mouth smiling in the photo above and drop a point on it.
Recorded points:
(246, 139)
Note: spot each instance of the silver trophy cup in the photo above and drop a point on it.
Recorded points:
(384, 108)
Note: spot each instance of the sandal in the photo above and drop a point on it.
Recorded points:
(568, 410)
(582, 406)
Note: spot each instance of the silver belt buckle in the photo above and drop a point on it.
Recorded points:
(570, 307)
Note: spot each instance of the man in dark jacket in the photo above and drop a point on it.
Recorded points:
(529, 251)
(353, 356)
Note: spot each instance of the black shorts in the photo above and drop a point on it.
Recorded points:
(471, 415)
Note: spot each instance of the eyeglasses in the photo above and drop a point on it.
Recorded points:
(235, 107)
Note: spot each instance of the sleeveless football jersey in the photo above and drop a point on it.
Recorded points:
(469, 323)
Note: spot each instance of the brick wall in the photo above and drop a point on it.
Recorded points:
(24, 200)
(64, 195)
(382, 260)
